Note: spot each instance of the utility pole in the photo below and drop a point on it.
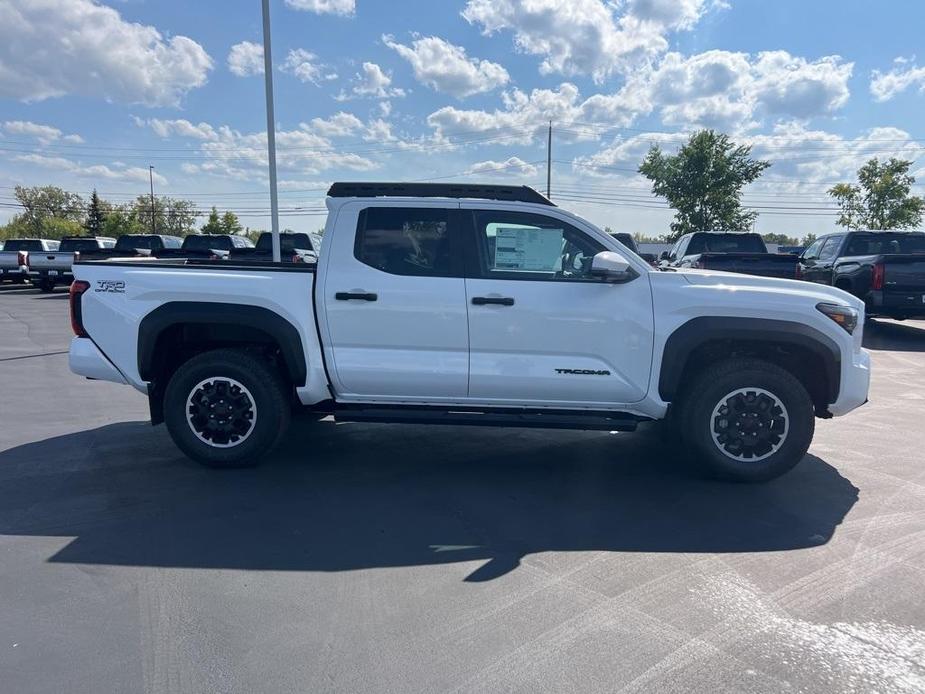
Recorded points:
(549, 163)
(151, 179)
(271, 130)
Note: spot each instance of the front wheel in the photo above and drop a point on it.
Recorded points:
(747, 420)
(226, 408)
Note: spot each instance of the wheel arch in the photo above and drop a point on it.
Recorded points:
(806, 352)
(175, 331)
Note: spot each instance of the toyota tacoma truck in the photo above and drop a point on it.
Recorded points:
(467, 304)
(207, 246)
(295, 247)
(48, 270)
(885, 269)
(730, 251)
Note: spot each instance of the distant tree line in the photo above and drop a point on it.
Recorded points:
(50, 212)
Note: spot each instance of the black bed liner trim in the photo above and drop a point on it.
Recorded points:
(195, 264)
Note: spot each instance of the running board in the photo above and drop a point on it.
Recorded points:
(490, 417)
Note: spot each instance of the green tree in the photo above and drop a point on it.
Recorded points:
(213, 224)
(230, 223)
(809, 239)
(41, 203)
(120, 220)
(96, 215)
(172, 216)
(882, 198)
(781, 239)
(703, 182)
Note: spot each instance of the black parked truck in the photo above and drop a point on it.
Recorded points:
(886, 269)
(729, 251)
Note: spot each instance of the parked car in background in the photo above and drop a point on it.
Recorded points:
(627, 240)
(14, 258)
(729, 251)
(53, 268)
(885, 269)
(469, 304)
(295, 247)
(206, 246)
(136, 246)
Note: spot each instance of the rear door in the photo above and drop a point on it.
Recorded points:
(542, 330)
(393, 304)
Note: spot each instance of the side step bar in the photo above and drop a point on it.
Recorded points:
(490, 417)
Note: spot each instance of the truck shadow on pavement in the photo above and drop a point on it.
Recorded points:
(893, 336)
(345, 497)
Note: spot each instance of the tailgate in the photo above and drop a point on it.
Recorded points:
(904, 273)
(762, 264)
(39, 260)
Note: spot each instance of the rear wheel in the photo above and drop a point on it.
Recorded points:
(747, 420)
(226, 408)
(47, 286)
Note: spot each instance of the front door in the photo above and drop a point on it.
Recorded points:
(395, 304)
(542, 330)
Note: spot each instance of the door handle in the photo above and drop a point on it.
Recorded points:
(497, 300)
(356, 296)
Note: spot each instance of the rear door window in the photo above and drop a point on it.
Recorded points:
(407, 241)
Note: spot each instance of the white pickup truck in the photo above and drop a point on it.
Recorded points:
(466, 304)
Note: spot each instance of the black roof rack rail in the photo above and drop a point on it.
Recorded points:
(438, 190)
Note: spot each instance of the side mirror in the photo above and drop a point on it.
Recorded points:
(663, 255)
(612, 267)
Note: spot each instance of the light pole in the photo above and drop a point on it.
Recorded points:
(151, 179)
(271, 130)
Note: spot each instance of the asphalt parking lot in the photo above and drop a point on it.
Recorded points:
(370, 558)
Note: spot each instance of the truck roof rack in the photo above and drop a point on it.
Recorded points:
(438, 190)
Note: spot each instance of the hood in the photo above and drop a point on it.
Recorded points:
(734, 281)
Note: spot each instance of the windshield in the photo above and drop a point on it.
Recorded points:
(23, 245)
(885, 243)
(726, 243)
(70, 245)
(206, 243)
(131, 243)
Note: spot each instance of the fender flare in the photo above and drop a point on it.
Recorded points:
(213, 313)
(698, 331)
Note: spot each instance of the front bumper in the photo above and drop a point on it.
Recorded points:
(855, 384)
(86, 359)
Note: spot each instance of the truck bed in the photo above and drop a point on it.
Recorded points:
(760, 264)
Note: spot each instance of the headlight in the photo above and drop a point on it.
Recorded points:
(845, 316)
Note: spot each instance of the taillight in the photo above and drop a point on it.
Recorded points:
(22, 259)
(876, 281)
(78, 287)
(296, 258)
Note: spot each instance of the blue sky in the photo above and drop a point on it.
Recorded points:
(91, 93)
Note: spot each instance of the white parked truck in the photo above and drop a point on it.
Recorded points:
(468, 304)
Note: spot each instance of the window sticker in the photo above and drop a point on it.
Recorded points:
(526, 249)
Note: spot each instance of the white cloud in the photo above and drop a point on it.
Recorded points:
(904, 74)
(511, 166)
(372, 82)
(525, 116)
(341, 7)
(51, 48)
(586, 37)
(734, 91)
(791, 86)
(246, 59)
(338, 125)
(114, 172)
(305, 66)
(43, 134)
(180, 127)
(446, 68)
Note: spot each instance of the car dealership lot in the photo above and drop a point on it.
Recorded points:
(399, 558)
